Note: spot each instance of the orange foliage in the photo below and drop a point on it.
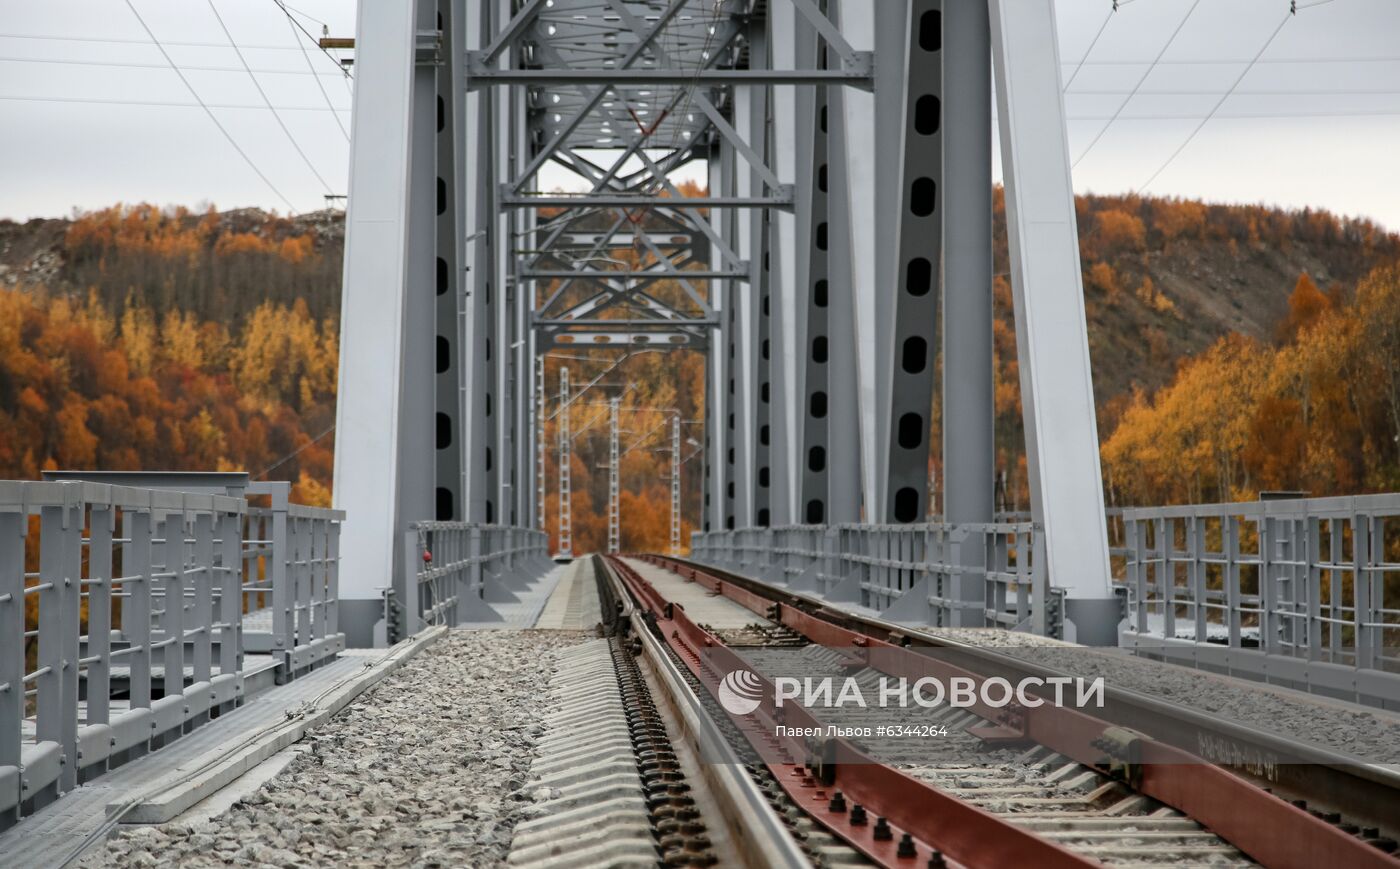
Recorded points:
(72, 394)
(1318, 413)
(1306, 306)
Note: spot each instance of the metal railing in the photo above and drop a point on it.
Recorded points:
(462, 568)
(291, 559)
(1302, 592)
(937, 574)
(122, 621)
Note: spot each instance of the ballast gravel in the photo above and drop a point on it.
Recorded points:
(429, 768)
(1372, 736)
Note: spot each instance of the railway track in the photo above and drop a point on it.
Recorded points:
(1044, 786)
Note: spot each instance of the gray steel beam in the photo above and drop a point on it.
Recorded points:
(813, 350)
(591, 200)
(787, 303)
(751, 112)
(737, 376)
(551, 341)
(632, 323)
(593, 99)
(1052, 345)
(417, 408)
(629, 274)
(480, 349)
(969, 456)
(858, 75)
(910, 106)
(448, 265)
(718, 401)
(844, 407)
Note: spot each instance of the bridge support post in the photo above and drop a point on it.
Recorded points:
(384, 447)
(1052, 345)
(969, 463)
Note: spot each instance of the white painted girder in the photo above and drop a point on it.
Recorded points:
(1052, 342)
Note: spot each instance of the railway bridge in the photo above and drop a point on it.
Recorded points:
(422, 675)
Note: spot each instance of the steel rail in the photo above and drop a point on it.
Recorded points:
(1261, 823)
(1366, 791)
(916, 814)
(762, 836)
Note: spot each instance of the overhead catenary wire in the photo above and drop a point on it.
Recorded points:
(294, 453)
(1140, 81)
(296, 146)
(208, 111)
(1185, 61)
(1093, 42)
(314, 41)
(291, 22)
(116, 64)
(101, 101)
(1220, 102)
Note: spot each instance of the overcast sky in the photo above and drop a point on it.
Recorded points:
(92, 114)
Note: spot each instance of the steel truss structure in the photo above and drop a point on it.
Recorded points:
(843, 246)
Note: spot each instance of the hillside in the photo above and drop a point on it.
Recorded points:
(1213, 269)
(216, 265)
(146, 337)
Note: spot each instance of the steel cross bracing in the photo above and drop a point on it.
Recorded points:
(819, 271)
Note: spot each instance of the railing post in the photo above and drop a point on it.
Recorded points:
(1166, 539)
(301, 570)
(1364, 615)
(1199, 592)
(137, 606)
(316, 570)
(173, 552)
(101, 519)
(203, 609)
(410, 600)
(231, 598)
(1137, 570)
(477, 569)
(60, 544)
(283, 628)
(1045, 622)
(14, 528)
(333, 576)
(1268, 593)
(1230, 531)
(1312, 625)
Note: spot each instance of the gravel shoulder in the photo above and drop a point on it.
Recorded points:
(426, 769)
(1370, 735)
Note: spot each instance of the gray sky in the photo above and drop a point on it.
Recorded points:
(1314, 122)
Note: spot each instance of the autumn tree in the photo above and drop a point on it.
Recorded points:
(1306, 306)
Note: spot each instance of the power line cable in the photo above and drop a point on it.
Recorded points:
(208, 111)
(305, 15)
(1220, 102)
(1095, 41)
(1139, 84)
(314, 41)
(278, 117)
(294, 453)
(100, 101)
(1226, 61)
(68, 61)
(319, 86)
